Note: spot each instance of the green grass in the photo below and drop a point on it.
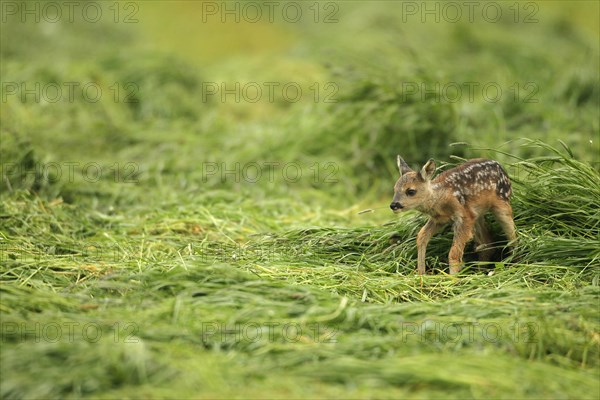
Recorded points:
(162, 278)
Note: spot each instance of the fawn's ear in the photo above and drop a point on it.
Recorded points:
(428, 169)
(402, 166)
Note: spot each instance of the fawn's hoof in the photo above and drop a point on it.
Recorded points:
(455, 270)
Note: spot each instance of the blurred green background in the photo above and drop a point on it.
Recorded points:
(376, 79)
(164, 192)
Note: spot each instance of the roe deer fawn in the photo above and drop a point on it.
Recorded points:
(461, 195)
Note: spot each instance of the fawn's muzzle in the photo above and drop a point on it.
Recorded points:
(396, 206)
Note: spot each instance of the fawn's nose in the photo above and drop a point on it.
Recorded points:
(395, 206)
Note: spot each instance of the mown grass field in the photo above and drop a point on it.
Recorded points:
(166, 240)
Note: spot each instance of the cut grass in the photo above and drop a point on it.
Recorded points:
(215, 312)
(340, 308)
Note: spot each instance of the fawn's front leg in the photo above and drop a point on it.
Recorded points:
(426, 232)
(463, 232)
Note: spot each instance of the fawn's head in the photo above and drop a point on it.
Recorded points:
(412, 188)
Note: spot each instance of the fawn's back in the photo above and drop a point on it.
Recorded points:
(475, 181)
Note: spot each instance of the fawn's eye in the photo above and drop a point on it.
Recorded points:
(411, 192)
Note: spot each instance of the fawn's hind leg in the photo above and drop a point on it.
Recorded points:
(504, 216)
(483, 240)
